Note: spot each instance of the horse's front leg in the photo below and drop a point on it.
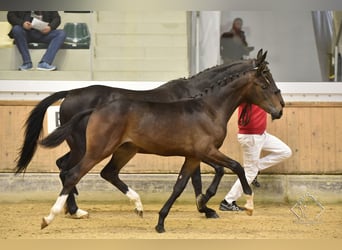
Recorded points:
(217, 158)
(187, 169)
(201, 200)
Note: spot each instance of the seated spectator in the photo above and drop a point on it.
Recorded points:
(233, 43)
(24, 32)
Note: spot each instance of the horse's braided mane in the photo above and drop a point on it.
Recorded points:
(226, 79)
(217, 69)
(221, 68)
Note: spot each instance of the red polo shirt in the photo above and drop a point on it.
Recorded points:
(257, 120)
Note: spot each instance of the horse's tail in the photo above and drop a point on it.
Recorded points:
(61, 133)
(34, 126)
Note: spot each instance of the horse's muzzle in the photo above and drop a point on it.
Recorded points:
(277, 115)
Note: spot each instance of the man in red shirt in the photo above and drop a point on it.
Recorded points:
(253, 138)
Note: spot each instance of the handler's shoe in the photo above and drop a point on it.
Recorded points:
(80, 214)
(255, 182)
(225, 206)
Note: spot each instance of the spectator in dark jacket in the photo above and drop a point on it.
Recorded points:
(233, 43)
(23, 32)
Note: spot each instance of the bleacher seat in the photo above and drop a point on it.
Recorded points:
(37, 46)
(77, 36)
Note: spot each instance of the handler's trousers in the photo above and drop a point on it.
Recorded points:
(252, 145)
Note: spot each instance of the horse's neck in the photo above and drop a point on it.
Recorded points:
(226, 99)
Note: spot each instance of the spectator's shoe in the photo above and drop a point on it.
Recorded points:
(225, 206)
(45, 66)
(26, 67)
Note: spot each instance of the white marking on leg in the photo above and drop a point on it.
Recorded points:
(56, 208)
(249, 204)
(134, 196)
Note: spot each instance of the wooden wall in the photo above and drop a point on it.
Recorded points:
(312, 130)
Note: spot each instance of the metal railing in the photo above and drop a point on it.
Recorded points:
(337, 56)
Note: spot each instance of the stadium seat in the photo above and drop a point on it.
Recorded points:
(77, 36)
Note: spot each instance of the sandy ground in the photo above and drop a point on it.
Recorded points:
(118, 221)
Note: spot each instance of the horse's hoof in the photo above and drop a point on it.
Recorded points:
(140, 213)
(44, 224)
(249, 206)
(249, 211)
(160, 229)
(80, 214)
(212, 215)
(200, 202)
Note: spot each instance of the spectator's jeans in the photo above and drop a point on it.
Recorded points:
(54, 39)
(252, 145)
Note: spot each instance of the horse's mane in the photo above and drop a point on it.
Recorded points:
(223, 76)
(227, 68)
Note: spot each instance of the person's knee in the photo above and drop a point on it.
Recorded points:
(61, 34)
(287, 153)
(17, 31)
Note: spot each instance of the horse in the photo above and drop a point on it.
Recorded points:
(194, 129)
(77, 100)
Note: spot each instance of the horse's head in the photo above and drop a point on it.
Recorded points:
(263, 90)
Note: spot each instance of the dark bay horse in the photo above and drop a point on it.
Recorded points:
(193, 128)
(81, 99)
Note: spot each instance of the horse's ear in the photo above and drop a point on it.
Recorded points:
(264, 56)
(260, 58)
(259, 54)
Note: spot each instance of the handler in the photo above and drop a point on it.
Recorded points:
(253, 138)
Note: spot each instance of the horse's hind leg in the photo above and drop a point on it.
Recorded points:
(71, 207)
(62, 164)
(111, 173)
(55, 210)
(71, 179)
(187, 169)
(201, 199)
